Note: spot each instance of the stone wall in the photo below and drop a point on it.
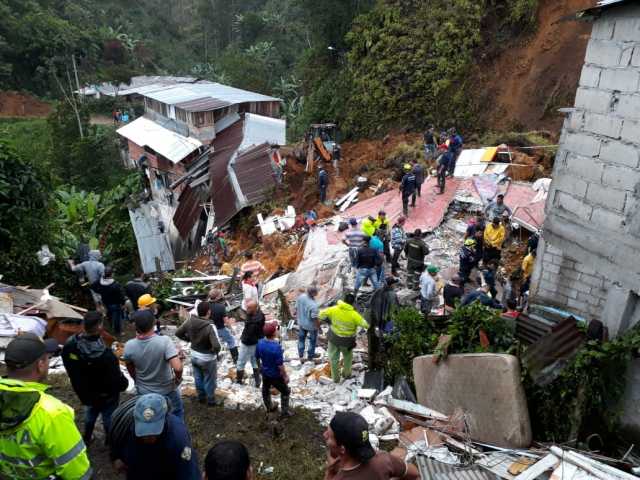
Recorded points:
(589, 262)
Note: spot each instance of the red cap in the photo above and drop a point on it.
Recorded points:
(269, 329)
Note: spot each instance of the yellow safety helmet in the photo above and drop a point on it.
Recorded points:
(470, 242)
(146, 300)
(406, 167)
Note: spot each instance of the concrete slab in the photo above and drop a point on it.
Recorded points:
(486, 387)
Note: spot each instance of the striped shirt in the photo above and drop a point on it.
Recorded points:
(354, 237)
(253, 266)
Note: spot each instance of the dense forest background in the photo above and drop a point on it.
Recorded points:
(373, 66)
(370, 65)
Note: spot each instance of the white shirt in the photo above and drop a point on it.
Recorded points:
(427, 286)
(248, 292)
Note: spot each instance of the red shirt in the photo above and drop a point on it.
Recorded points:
(383, 466)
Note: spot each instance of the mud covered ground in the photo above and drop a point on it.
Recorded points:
(293, 447)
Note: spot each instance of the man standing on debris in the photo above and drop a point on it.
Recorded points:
(468, 260)
(38, 437)
(308, 322)
(527, 270)
(270, 353)
(494, 235)
(474, 225)
(112, 298)
(228, 460)
(323, 183)
(408, 189)
(385, 237)
(156, 445)
(344, 320)
(249, 289)
(429, 139)
(497, 208)
(92, 271)
(351, 456)
(95, 374)
(442, 164)
(455, 147)
(368, 261)
(416, 249)
(384, 301)
(205, 346)
(148, 302)
(418, 171)
(153, 363)
(398, 242)
(135, 288)
(251, 334)
(220, 319)
(428, 288)
(252, 265)
(354, 239)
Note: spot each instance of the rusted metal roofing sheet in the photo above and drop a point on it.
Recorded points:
(255, 174)
(545, 358)
(188, 211)
(432, 469)
(205, 104)
(223, 195)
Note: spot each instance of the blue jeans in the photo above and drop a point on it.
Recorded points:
(115, 314)
(363, 274)
(226, 337)
(353, 256)
(204, 374)
(92, 413)
(247, 353)
(177, 408)
(302, 337)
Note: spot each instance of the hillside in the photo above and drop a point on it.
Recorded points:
(525, 84)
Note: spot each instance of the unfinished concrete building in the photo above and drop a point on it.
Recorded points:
(589, 262)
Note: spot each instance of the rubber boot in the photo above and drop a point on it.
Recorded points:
(284, 408)
(239, 376)
(234, 354)
(257, 378)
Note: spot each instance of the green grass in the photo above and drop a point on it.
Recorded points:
(31, 137)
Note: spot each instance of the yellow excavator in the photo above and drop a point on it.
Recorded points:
(321, 143)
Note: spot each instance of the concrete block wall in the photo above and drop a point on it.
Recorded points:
(589, 262)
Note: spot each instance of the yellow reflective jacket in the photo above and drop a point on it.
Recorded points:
(38, 437)
(345, 319)
(527, 265)
(368, 227)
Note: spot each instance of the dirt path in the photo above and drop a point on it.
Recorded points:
(525, 85)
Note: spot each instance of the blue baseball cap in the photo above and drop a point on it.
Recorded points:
(149, 414)
(353, 221)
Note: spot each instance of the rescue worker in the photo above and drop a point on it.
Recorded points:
(494, 235)
(418, 171)
(416, 249)
(441, 170)
(344, 320)
(369, 226)
(38, 435)
(323, 183)
(408, 189)
(527, 270)
(148, 302)
(467, 260)
(382, 220)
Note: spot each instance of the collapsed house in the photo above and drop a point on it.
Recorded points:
(206, 151)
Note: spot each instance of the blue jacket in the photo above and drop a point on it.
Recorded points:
(270, 353)
(408, 185)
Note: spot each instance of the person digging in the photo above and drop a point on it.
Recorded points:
(271, 356)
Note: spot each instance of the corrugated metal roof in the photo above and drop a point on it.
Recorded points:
(255, 174)
(204, 104)
(259, 129)
(188, 211)
(546, 357)
(167, 143)
(432, 469)
(600, 7)
(223, 195)
(186, 92)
